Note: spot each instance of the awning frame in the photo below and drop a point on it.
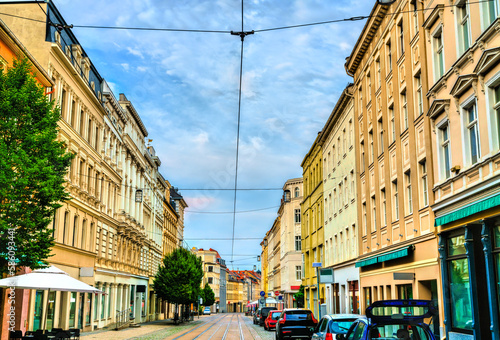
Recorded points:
(387, 256)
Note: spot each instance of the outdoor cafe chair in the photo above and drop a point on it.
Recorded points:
(75, 333)
(15, 334)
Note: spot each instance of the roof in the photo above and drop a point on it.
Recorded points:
(365, 38)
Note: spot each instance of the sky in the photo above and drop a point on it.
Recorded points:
(184, 85)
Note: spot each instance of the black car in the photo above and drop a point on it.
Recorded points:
(262, 314)
(295, 324)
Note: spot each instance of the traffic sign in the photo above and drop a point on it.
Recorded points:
(262, 293)
(316, 264)
(262, 300)
(276, 293)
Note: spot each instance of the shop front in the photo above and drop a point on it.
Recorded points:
(409, 271)
(342, 295)
(469, 248)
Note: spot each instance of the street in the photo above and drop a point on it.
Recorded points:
(229, 326)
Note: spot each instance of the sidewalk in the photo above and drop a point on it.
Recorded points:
(148, 330)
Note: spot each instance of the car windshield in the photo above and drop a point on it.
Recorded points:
(275, 316)
(399, 331)
(341, 326)
(298, 315)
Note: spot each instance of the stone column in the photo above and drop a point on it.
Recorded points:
(486, 240)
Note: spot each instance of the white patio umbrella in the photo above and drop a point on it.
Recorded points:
(271, 300)
(51, 279)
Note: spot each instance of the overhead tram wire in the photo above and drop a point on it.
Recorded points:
(354, 18)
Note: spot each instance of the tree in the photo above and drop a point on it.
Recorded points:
(33, 164)
(299, 297)
(178, 280)
(208, 296)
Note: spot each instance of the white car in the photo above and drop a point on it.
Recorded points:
(207, 311)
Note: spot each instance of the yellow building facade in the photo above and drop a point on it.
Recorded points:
(398, 256)
(312, 229)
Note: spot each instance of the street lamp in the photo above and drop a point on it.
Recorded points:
(386, 2)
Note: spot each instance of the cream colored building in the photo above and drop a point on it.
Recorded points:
(290, 241)
(463, 78)
(340, 202)
(397, 246)
(273, 258)
(214, 274)
(109, 234)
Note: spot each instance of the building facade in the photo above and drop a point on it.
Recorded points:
(109, 235)
(213, 273)
(273, 258)
(397, 246)
(340, 206)
(463, 53)
(291, 241)
(312, 226)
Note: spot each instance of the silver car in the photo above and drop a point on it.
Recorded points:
(331, 325)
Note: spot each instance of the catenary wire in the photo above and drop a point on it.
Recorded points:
(354, 18)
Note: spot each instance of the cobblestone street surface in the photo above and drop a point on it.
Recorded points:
(231, 326)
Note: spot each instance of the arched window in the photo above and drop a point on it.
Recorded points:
(297, 192)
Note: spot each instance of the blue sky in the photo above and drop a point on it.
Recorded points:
(185, 88)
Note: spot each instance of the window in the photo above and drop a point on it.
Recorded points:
(418, 89)
(360, 99)
(210, 269)
(210, 280)
(471, 137)
(297, 192)
(384, 207)
(353, 190)
(82, 120)
(298, 243)
(404, 110)
(374, 215)
(401, 34)
(459, 280)
(369, 85)
(423, 176)
(409, 206)
(298, 273)
(297, 215)
(380, 136)
(444, 151)
(463, 23)
(73, 114)
(438, 53)
(351, 133)
(494, 94)
(365, 230)
(334, 201)
(362, 156)
(414, 15)
(393, 124)
(379, 73)
(389, 56)
(340, 196)
(489, 12)
(344, 141)
(75, 227)
(395, 202)
(370, 136)
(63, 104)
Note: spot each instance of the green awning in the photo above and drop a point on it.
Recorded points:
(366, 262)
(471, 209)
(390, 255)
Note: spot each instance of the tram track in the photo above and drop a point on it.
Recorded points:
(221, 327)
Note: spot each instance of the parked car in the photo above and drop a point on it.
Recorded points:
(295, 324)
(394, 319)
(331, 325)
(271, 319)
(264, 312)
(256, 316)
(207, 311)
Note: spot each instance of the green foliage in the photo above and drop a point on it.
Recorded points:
(208, 295)
(32, 167)
(299, 297)
(179, 278)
